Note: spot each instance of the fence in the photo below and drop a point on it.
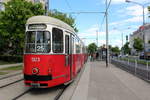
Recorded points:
(138, 67)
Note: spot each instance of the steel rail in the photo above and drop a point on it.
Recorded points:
(20, 95)
(11, 83)
(8, 76)
(60, 93)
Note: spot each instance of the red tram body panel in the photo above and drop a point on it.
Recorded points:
(53, 54)
(51, 66)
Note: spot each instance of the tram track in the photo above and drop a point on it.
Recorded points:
(22, 94)
(60, 92)
(11, 83)
(55, 94)
(8, 76)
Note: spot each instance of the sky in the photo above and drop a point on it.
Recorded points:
(123, 18)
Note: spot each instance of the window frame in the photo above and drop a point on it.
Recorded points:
(35, 42)
(63, 41)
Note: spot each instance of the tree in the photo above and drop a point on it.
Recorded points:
(138, 44)
(92, 48)
(109, 47)
(13, 20)
(126, 48)
(12, 24)
(115, 50)
(64, 17)
(148, 41)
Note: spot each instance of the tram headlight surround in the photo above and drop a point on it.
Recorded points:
(35, 71)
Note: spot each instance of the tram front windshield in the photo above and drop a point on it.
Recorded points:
(38, 42)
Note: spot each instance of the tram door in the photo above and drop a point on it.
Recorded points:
(68, 53)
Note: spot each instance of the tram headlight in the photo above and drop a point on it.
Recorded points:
(35, 71)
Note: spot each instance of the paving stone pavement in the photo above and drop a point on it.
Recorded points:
(100, 83)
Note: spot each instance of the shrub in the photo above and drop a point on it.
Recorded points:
(11, 58)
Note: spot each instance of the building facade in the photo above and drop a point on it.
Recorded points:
(1, 5)
(144, 34)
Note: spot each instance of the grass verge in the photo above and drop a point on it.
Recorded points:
(12, 68)
(138, 61)
(3, 73)
(4, 62)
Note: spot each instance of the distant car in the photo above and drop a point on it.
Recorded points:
(120, 56)
(141, 55)
(123, 56)
(126, 55)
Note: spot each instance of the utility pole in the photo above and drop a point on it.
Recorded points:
(143, 15)
(97, 38)
(107, 47)
(122, 39)
(46, 7)
(126, 38)
(122, 43)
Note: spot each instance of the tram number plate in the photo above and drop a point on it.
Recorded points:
(35, 84)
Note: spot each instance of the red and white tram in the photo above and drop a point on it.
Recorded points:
(53, 53)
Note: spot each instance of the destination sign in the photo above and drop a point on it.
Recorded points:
(36, 26)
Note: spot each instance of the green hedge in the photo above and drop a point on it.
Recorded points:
(11, 58)
(133, 60)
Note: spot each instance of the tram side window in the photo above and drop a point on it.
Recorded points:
(57, 38)
(73, 45)
(83, 49)
(67, 44)
(78, 47)
(30, 39)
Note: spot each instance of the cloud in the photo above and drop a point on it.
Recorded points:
(135, 10)
(113, 1)
(114, 32)
(91, 32)
(132, 14)
(89, 36)
(101, 42)
(132, 20)
(118, 1)
(116, 42)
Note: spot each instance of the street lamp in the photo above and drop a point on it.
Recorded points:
(97, 37)
(142, 5)
(107, 34)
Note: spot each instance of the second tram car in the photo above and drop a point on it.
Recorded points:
(53, 53)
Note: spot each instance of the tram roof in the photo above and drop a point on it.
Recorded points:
(49, 20)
